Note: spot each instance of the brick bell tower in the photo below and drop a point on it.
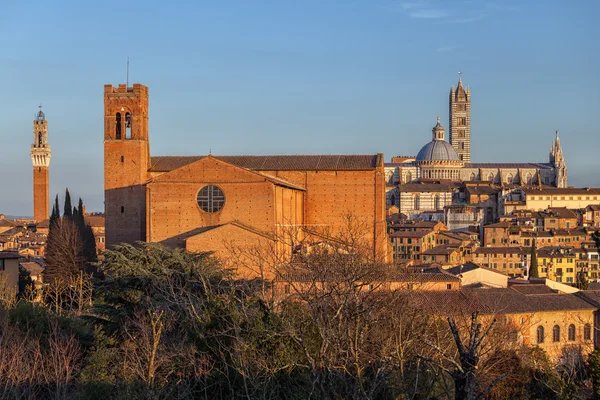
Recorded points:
(126, 162)
(460, 120)
(40, 157)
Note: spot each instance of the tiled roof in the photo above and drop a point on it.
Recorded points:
(96, 221)
(559, 212)
(276, 163)
(9, 255)
(430, 275)
(415, 224)
(33, 267)
(482, 190)
(410, 234)
(466, 267)
(440, 250)
(503, 224)
(510, 165)
(594, 207)
(562, 191)
(44, 224)
(500, 250)
(525, 288)
(6, 223)
(496, 301)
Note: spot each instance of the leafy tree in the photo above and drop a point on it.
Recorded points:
(594, 369)
(534, 271)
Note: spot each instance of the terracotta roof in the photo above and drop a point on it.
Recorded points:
(33, 267)
(559, 212)
(440, 250)
(481, 190)
(593, 207)
(501, 250)
(525, 288)
(430, 275)
(503, 224)
(9, 255)
(410, 234)
(496, 301)
(6, 222)
(562, 191)
(276, 163)
(44, 224)
(96, 221)
(415, 224)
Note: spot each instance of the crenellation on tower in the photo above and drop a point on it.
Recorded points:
(40, 158)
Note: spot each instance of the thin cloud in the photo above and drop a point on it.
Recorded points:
(465, 20)
(502, 7)
(431, 13)
(443, 15)
(445, 49)
(411, 5)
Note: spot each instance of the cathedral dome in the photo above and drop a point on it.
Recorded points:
(437, 150)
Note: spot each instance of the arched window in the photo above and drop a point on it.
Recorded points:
(408, 177)
(118, 126)
(556, 333)
(40, 139)
(491, 177)
(436, 202)
(473, 176)
(528, 178)
(417, 201)
(540, 334)
(127, 126)
(587, 332)
(571, 333)
(509, 179)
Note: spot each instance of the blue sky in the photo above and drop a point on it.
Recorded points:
(296, 77)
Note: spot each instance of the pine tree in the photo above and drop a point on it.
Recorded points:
(533, 267)
(68, 207)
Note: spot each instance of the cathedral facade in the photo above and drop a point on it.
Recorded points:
(440, 160)
(229, 203)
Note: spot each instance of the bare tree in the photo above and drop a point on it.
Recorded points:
(64, 251)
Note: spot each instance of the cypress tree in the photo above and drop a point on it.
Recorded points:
(80, 214)
(533, 267)
(55, 216)
(68, 207)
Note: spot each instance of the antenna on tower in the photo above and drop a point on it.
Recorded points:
(127, 72)
(459, 75)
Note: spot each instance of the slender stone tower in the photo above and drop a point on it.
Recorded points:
(40, 157)
(460, 121)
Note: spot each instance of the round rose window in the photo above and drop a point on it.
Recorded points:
(211, 199)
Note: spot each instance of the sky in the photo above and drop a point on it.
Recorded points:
(296, 77)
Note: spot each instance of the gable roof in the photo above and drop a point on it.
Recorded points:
(276, 163)
(260, 175)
